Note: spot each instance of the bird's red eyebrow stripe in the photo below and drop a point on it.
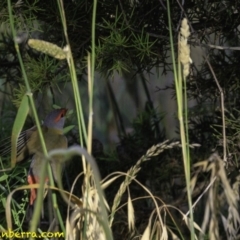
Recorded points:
(63, 112)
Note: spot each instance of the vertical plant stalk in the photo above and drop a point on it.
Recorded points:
(89, 182)
(39, 200)
(81, 123)
(91, 70)
(184, 60)
(90, 93)
(77, 97)
(183, 129)
(222, 110)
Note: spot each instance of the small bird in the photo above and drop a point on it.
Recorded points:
(29, 145)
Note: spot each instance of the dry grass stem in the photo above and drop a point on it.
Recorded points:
(132, 172)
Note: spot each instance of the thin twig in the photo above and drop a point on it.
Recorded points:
(214, 46)
(198, 199)
(222, 109)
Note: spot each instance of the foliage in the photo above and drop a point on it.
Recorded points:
(132, 39)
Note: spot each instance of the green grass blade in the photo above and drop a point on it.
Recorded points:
(17, 127)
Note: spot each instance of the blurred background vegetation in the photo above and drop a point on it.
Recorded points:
(134, 95)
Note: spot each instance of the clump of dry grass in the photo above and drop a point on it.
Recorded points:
(221, 200)
(86, 221)
(132, 172)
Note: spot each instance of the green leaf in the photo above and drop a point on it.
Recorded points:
(3, 178)
(3, 199)
(68, 129)
(17, 127)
